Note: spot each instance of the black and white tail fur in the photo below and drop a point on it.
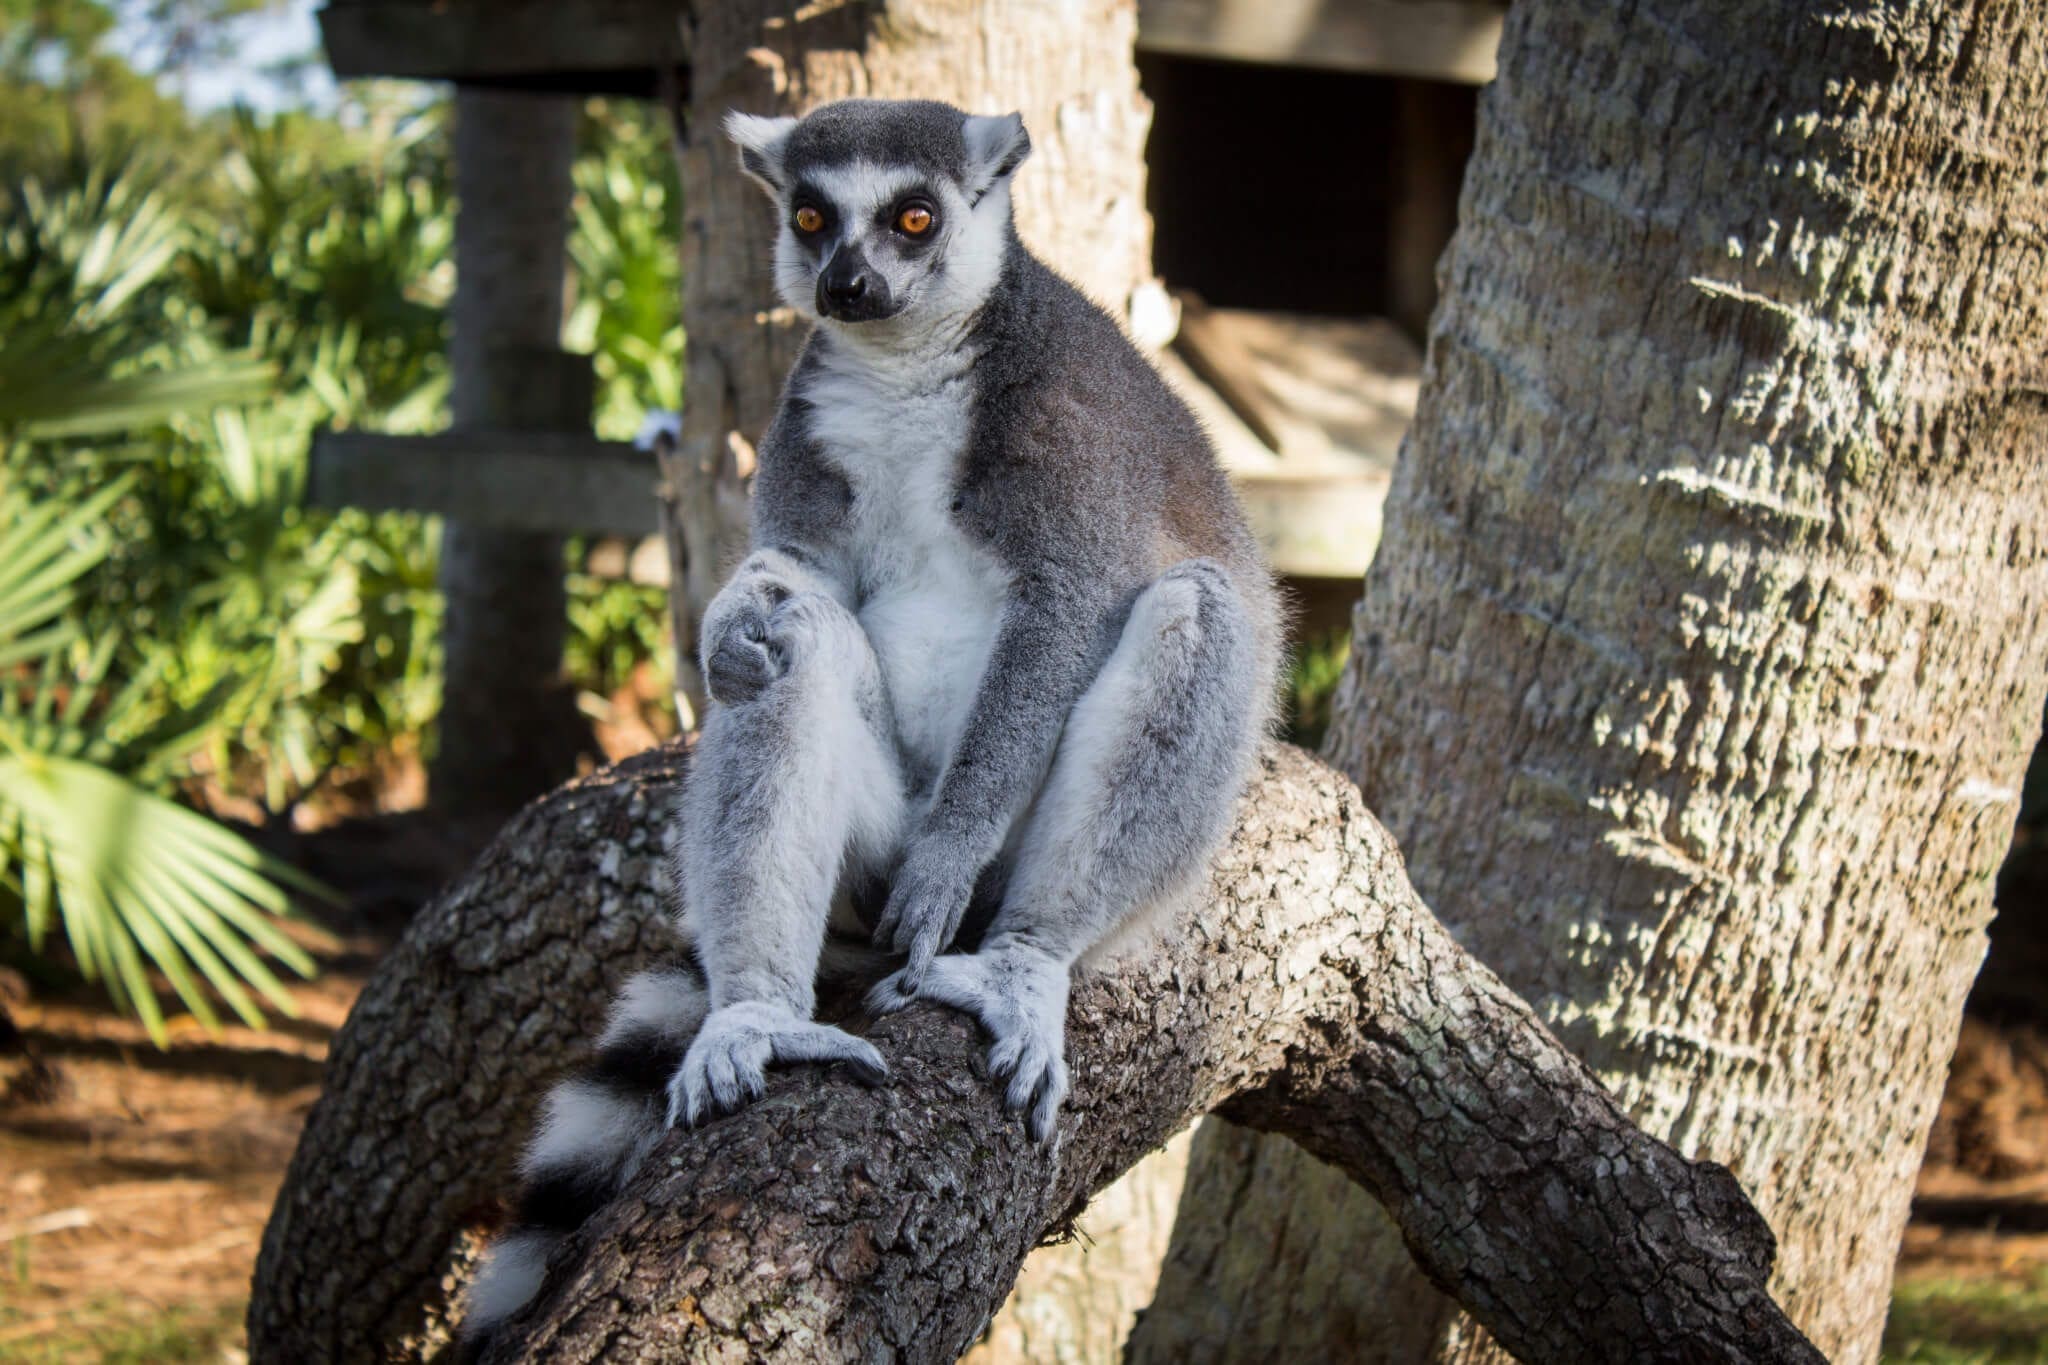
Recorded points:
(592, 1134)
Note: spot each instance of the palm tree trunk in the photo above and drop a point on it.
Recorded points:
(1704, 649)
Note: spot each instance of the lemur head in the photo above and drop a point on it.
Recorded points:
(891, 209)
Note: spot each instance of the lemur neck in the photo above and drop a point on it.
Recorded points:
(904, 350)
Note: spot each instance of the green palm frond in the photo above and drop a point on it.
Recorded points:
(135, 879)
(57, 388)
(80, 356)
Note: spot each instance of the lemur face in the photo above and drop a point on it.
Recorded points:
(890, 210)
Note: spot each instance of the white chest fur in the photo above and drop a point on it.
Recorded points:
(931, 599)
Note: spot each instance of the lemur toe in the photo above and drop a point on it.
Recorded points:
(1052, 1089)
(726, 1066)
(892, 993)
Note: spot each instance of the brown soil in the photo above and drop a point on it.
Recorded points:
(141, 1187)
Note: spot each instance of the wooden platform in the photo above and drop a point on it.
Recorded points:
(618, 46)
(1308, 415)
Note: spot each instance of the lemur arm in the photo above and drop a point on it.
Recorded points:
(792, 552)
(1047, 650)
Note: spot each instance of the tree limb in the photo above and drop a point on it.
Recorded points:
(1310, 993)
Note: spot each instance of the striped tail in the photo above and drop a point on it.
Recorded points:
(594, 1131)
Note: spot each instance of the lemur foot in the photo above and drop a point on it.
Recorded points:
(1020, 996)
(727, 1062)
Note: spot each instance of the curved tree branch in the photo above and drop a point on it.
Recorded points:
(1310, 993)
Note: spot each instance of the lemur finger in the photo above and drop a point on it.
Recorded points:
(923, 948)
(722, 1077)
(687, 1100)
(1003, 1058)
(753, 1082)
(884, 936)
(1027, 1079)
(888, 995)
(823, 1043)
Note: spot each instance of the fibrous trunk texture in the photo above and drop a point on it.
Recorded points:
(1065, 64)
(1309, 992)
(1704, 649)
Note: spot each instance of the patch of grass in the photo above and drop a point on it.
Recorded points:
(1969, 1322)
(113, 1332)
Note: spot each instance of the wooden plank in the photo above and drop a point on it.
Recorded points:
(1320, 525)
(594, 46)
(1337, 392)
(1445, 40)
(566, 482)
(1316, 527)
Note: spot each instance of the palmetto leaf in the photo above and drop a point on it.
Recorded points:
(45, 549)
(136, 880)
(84, 400)
(138, 877)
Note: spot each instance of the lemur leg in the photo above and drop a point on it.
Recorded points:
(790, 790)
(789, 782)
(1139, 794)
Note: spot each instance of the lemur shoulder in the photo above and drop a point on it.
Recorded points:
(1003, 642)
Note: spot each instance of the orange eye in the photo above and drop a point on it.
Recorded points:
(809, 219)
(915, 220)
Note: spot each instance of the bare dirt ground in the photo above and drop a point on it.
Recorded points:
(132, 1201)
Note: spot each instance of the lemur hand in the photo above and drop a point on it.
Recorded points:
(739, 652)
(926, 904)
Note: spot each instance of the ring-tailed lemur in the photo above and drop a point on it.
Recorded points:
(1003, 625)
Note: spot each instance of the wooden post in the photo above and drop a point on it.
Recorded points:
(508, 727)
(1434, 137)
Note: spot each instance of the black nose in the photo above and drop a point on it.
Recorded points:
(849, 291)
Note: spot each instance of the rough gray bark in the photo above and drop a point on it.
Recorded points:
(431, 1084)
(1704, 649)
(1310, 992)
(508, 724)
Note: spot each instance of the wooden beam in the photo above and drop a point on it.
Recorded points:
(1321, 525)
(1444, 40)
(563, 482)
(594, 46)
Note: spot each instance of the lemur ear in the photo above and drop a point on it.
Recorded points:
(761, 142)
(996, 146)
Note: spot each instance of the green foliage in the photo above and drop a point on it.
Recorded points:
(625, 225)
(1991, 1321)
(90, 729)
(132, 876)
(1312, 687)
(184, 301)
(316, 631)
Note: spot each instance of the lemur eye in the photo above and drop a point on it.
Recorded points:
(809, 219)
(915, 219)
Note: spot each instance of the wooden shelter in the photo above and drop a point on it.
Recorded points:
(1303, 279)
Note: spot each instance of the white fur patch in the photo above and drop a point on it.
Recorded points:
(670, 1003)
(582, 1125)
(762, 139)
(512, 1273)
(896, 424)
